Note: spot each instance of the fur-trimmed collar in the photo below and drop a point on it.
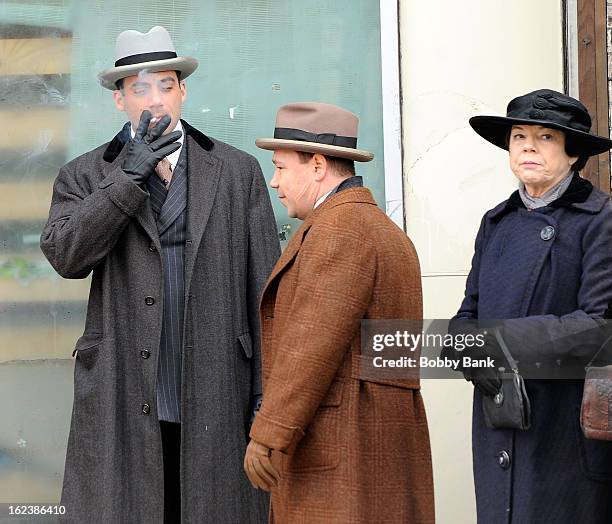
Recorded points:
(116, 144)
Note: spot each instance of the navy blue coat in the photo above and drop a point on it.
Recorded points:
(550, 268)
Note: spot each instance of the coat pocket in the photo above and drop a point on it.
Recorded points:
(93, 366)
(319, 450)
(362, 369)
(86, 349)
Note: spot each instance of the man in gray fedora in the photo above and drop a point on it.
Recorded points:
(178, 233)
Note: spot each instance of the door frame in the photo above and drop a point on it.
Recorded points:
(586, 71)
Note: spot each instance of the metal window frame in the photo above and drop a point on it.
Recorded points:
(392, 115)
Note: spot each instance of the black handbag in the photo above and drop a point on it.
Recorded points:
(510, 407)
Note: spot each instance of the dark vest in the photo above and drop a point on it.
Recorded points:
(169, 209)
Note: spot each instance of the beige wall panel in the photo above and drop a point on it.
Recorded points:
(34, 131)
(44, 290)
(458, 60)
(38, 342)
(35, 56)
(448, 403)
(25, 202)
(23, 487)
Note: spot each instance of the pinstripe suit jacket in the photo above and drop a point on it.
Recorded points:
(169, 208)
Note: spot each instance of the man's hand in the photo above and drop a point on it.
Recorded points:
(259, 468)
(148, 147)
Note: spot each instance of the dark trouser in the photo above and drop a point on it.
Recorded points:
(171, 445)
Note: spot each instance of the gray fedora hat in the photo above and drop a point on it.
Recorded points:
(314, 127)
(152, 51)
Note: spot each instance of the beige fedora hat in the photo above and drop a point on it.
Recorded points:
(315, 127)
(152, 51)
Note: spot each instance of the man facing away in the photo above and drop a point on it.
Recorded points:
(331, 445)
(178, 233)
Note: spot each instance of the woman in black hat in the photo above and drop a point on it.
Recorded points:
(543, 265)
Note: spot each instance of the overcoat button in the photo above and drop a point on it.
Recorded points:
(547, 233)
(149, 301)
(152, 247)
(146, 409)
(503, 459)
(145, 353)
(498, 399)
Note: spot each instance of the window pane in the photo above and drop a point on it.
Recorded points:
(255, 55)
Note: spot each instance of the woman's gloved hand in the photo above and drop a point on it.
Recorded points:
(486, 360)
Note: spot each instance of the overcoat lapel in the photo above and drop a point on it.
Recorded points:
(353, 194)
(145, 218)
(289, 254)
(204, 170)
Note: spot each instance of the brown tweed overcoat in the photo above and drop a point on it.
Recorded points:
(348, 450)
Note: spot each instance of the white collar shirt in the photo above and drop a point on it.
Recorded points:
(320, 201)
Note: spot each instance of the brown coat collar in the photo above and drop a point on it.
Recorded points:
(355, 195)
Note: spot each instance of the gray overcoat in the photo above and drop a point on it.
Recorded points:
(101, 222)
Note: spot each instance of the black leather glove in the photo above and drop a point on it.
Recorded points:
(148, 147)
(485, 379)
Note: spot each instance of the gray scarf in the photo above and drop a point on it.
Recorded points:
(550, 196)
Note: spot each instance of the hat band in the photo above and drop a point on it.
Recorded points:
(145, 57)
(287, 133)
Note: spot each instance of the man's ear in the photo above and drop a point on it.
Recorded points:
(183, 88)
(118, 98)
(320, 166)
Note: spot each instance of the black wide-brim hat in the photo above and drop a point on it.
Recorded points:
(546, 108)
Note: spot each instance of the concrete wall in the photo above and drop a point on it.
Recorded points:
(459, 59)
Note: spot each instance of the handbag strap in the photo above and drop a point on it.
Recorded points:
(601, 348)
(505, 350)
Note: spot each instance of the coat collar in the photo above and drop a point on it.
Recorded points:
(579, 196)
(353, 195)
(115, 146)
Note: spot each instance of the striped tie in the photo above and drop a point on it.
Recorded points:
(164, 171)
